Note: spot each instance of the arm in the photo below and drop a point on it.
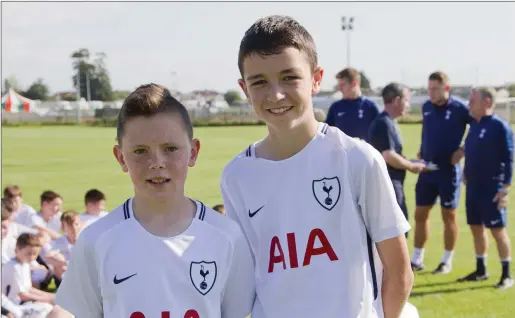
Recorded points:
(397, 275)
(383, 140)
(386, 225)
(34, 294)
(507, 157)
(240, 291)
(79, 292)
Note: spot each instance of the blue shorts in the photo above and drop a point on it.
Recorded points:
(444, 183)
(481, 210)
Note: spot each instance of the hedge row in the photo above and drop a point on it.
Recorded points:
(111, 122)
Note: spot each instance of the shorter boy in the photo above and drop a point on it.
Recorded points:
(95, 207)
(16, 279)
(60, 250)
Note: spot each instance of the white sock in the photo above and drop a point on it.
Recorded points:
(418, 256)
(447, 257)
(481, 256)
(506, 260)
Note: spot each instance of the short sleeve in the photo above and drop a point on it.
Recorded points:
(380, 136)
(36, 220)
(376, 197)
(79, 292)
(240, 291)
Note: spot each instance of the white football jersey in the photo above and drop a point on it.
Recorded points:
(118, 269)
(86, 219)
(311, 222)
(15, 280)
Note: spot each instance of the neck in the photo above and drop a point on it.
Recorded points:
(443, 101)
(46, 217)
(283, 144)
(168, 217)
(488, 112)
(93, 212)
(71, 240)
(354, 95)
(390, 111)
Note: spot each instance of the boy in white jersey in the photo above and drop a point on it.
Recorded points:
(317, 207)
(95, 207)
(16, 280)
(58, 252)
(159, 254)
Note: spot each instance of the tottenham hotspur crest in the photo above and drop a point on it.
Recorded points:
(327, 192)
(203, 276)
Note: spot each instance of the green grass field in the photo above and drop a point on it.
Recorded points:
(71, 160)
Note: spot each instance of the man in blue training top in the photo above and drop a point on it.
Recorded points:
(355, 112)
(385, 136)
(487, 174)
(444, 123)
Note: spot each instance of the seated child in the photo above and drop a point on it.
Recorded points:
(16, 279)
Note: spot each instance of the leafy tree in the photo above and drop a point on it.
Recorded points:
(37, 90)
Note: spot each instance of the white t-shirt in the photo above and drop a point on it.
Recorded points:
(87, 219)
(24, 215)
(311, 222)
(16, 229)
(118, 269)
(8, 247)
(15, 279)
(63, 246)
(53, 224)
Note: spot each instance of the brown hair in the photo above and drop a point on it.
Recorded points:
(148, 100)
(27, 239)
(7, 205)
(220, 208)
(272, 34)
(94, 196)
(350, 74)
(440, 77)
(12, 191)
(69, 216)
(49, 196)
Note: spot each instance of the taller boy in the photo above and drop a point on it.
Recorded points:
(317, 207)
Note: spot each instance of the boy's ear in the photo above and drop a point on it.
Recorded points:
(117, 152)
(195, 149)
(318, 74)
(243, 86)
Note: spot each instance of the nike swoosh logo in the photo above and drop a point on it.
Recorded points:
(252, 214)
(118, 281)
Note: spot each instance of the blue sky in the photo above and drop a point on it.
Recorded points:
(199, 41)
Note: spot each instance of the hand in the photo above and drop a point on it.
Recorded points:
(417, 167)
(502, 199)
(419, 155)
(464, 179)
(457, 156)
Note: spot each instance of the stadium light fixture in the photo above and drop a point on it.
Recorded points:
(347, 27)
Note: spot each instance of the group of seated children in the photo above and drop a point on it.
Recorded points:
(34, 252)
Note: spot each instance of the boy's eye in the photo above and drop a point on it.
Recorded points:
(139, 151)
(171, 148)
(291, 78)
(260, 82)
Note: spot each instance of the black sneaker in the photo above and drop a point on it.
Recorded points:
(443, 269)
(417, 267)
(505, 283)
(474, 277)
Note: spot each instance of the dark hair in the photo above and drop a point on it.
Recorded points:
(272, 34)
(148, 100)
(94, 196)
(49, 196)
(27, 239)
(392, 91)
(440, 77)
(350, 74)
(12, 191)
